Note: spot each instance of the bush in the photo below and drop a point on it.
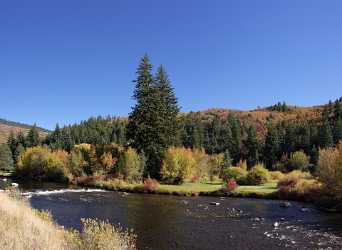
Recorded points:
(203, 167)
(242, 164)
(150, 184)
(40, 163)
(276, 175)
(22, 227)
(298, 161)
(229, 186)
(131, 166)
(178, 165)
(99, 235)
(235, 173)
(77, 164)
(329, 170)
(258, 175)
(298, 185)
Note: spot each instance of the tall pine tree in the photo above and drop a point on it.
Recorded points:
(252, 146)
(149, 128)
(32, 138)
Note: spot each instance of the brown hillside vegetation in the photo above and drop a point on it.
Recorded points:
(5, 130)
(260, 116)
(257, 117)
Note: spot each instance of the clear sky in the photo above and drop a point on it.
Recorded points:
(63, 61)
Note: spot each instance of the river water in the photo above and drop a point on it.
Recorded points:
(172, 222)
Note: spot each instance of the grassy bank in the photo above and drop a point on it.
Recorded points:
(23, 228)
(5, 173)
(268, 190)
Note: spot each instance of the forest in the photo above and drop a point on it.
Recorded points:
(157, 142)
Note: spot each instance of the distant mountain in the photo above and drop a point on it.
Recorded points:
(7, 126)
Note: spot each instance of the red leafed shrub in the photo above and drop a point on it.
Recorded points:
(151, 184)
(195, 178)
(230, 186)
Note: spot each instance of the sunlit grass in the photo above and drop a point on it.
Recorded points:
(190, 189)
(24, 228)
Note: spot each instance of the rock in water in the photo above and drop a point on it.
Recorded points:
(215, 203)
(15, 184)
(285, 204)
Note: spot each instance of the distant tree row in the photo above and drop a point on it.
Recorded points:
(96, 131)
(280, 107)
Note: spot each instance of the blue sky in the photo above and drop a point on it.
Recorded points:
(63, 61)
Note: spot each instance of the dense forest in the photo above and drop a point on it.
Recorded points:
(299, 148)
(216, 134)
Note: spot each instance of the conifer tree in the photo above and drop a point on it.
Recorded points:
(338, 110)
(325, 135)
(168, 107)
(6, 159)
(235, 147)
(155, 110)
(252, 146)
(272, 146)
(338, 130)
(12, 144)
(32, 138)
(290, 138)
(314, 155)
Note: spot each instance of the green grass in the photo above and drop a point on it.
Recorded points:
(5, 173)
(268, 190)
(190, 187)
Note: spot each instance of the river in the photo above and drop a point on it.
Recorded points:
(173, 222)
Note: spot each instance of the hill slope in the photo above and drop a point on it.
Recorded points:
(7, 126)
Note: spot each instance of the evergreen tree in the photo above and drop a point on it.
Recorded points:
(290, 138)
(21, 139)
(236, 143)
(252, 146)
(155, 109)
(306, 139)
(314, 155)
(32, 138)
(338, 110)
(338, 130)
(19, 149)
(167, 101)
(227, 160)
(272, 146)
(325, 135)
(12, 144)
(6, 159)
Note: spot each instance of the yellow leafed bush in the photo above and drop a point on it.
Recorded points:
(329, 170)
(178, 165)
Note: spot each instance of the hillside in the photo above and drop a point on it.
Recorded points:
(7, 126)
(260, 116)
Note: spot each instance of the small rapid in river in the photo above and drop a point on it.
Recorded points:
(173, 222)
(170, 222)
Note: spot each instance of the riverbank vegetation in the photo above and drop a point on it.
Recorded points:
(158, 149)
(22, 227)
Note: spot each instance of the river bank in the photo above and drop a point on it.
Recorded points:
(265, 191)
(180, 222)
(25, 228)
